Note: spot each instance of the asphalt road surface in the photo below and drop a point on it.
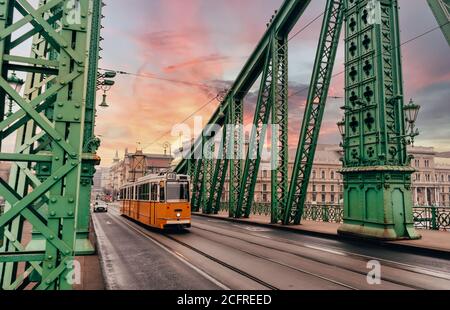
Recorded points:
(215, 255)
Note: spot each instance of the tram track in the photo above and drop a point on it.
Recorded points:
(363, 258)
(143, 230)
(203, 231)
(270, 260)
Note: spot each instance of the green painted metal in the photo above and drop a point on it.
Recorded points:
(197, 186)
(441, 10)
(20, 173)
(314, 111)
(90, 142)
(237, 148)
(221, 167)
(281, 25)
(208, 178)
(377, 173)
(257, 139)
(57, 190)
(280, 130)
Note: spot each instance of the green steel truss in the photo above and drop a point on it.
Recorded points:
(197, 186)
(208, 178)
(257, 139)
(314, 111)
(271, 52)
(49, 128)
(236, 113)
(374, 146)
(280, 147)
(218, 179)
(441, 10)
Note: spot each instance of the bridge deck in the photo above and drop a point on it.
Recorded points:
(435, 241)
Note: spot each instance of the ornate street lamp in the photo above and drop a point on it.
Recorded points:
(411, 113)
(16, 83)
(341, 127)
(105, 83)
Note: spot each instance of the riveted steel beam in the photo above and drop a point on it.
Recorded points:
(283, 22)
(52, 115)
(314, 111)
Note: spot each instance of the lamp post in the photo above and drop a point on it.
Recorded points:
(411, 111)
(16, 83)
(105, 83)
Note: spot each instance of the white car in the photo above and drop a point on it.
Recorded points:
(100, 207)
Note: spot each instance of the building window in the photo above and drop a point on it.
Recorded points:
(332, 175)
(324, 176)
(314, 188)
(417, 163)
(315, 175)
(264, 187)
(442, 178)
(264, 173)
(427, 164)
(264, 197)
(324, 199)
(332, 198)
(314, 197)
(324, 188)
(332, 188)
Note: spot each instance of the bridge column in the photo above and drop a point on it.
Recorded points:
(377, 173)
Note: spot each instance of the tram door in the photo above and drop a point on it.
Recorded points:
(153, 203)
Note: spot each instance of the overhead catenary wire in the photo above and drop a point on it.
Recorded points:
(289, 96)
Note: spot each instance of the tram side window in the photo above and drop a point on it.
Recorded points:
(154, 192)
(140, 191)
(162, 192)
(144, 192)
(133, 197)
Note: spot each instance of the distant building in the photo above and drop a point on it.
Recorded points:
(135, 166)
(431, 182)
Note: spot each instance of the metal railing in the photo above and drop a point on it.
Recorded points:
(430, 218)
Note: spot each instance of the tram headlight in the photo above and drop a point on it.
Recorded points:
(178, 214)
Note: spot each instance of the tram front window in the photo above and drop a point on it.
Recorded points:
(177, 191)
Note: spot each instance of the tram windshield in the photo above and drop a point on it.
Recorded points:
(177, 191)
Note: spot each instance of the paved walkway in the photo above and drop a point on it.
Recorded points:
(436, 241)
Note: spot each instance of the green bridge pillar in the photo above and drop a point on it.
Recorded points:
(377, 171)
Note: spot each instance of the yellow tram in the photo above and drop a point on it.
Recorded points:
(158, 201)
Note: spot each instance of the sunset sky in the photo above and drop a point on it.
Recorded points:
(208, 42)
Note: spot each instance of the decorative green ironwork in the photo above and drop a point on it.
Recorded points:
(377, 172)
(257, 139)
(315, 108)
(197, 186)
(237, 145)
(434, 218)
(208, 178)
(90, 142)
(279, 27)
(61, 94)
(427, 218)
(218, 181)
(441, 10)
(280, 130)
